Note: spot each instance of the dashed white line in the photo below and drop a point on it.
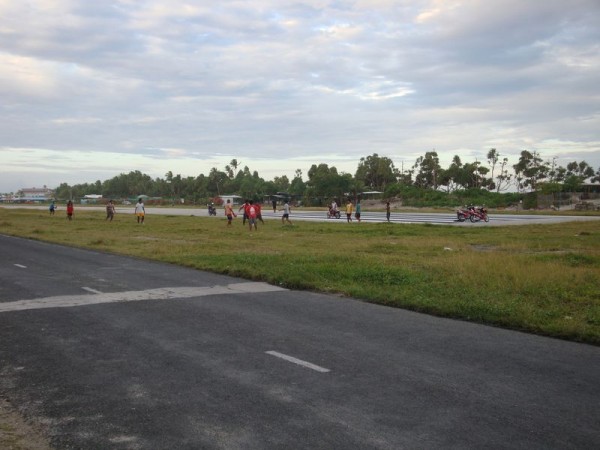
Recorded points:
(297, 361)
(21, 266)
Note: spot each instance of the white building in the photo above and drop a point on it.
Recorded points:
(34, 195)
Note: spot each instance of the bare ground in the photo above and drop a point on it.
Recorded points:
(18, 434)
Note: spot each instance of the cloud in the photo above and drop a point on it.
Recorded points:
(287, 83)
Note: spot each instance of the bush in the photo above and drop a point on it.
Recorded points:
(420, 198)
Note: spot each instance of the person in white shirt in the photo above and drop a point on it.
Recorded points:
(286, 214)
(140, 212)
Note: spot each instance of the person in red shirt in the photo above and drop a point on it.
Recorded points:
(259, 212)
(251, 213)
(70, 210)
(244, 208)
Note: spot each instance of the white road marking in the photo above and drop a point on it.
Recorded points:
(21, 266)
(298, 361)
(93, 291)
(167, 293)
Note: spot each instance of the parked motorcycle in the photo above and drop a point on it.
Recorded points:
(333, 214)
(465, 214)
(479, 214)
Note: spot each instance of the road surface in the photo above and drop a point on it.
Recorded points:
(112, 352)
(367, 217)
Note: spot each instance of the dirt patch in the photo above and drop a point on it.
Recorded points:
(16, 433)
(483, 247)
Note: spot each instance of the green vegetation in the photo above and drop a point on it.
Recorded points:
(537, 278)
(425, 184)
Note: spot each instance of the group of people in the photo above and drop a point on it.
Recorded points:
(70, 209)
(252, 212)
(349, 209)
(110, 210)
(357, 210)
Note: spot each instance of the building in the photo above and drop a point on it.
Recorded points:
(34, 195)
(91, 198)
(234, 199)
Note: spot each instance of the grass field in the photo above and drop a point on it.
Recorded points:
(542, 279)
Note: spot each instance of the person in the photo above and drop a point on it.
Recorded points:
(274, 202)
(70, 210)
(140, 211)
(251, 214)
(333, 206)
(229, 212)
(349, 208)
(387, 211)
(52, 208)
(259, 212)
(110, 210)
(286, 213)
(244, 208)
(357, 211)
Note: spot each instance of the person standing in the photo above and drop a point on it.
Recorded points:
(286, 213)
(70, 210)
(258, 207)
(229, 212)
(387, 211)
(244, 208)
(52, 208)
(251, 213)
(274, 202)
(357, 211)
(349, 209)
(140, 211)
(110, 210)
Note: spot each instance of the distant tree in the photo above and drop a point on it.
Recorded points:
(596, 178)
(503, 178)
(582, 170)
(216, 180)
(559, 174)
(235, 164)
(376, 172)
(297, 186)
(500, 181)
(353, 186)
(405, 177)
(470, 177)
(575, 175)
(282, 183)
(451, 177)
(530, 170)
(325, 182)
(428, 169)
(493, 156)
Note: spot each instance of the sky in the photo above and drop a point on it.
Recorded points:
(92, 89)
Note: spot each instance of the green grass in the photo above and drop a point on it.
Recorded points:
(538, 278)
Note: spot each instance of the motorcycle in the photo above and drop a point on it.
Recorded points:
(212, 211)
(465, 214)
(479, 214)
(331, 213)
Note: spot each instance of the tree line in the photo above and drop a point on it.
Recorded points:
(426, 178)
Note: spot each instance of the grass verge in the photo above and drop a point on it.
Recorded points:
(542, 279)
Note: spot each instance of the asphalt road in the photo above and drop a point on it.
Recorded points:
(110, 352)
(368, 217)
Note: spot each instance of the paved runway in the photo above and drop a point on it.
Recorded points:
(367, 217)
(113, 352)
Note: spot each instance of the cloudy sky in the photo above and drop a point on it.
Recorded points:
(91, 89)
